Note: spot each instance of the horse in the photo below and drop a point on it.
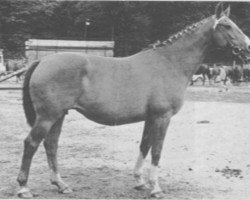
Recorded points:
(204, 71)
(215, 73)
(14, 65)
(147, 86)
(229, 71)
(222, 73)
(219, 74)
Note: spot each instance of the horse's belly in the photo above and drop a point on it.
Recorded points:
(105, 101)
(110, 109)
(103, 114)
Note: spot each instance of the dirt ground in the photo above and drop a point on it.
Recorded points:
(206, 153)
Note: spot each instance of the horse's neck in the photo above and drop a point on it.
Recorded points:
(189, 52)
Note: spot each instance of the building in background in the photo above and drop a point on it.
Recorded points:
(36, 49)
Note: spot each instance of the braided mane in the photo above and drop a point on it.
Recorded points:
(173, 38)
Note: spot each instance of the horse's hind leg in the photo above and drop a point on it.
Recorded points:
(145, 145)
(51, 145)
(31, 143)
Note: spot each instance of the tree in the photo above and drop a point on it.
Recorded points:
(132, 24)
(19, 20)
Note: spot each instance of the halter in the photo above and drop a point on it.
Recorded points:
(237, 51)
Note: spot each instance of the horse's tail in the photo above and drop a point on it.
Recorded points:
(27, 102)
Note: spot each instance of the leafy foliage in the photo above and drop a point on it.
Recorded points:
(133, 25)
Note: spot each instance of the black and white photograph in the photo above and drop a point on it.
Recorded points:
(124, 99)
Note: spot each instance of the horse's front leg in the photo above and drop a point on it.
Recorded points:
(159, 129)
(145, 145)
(51, 146)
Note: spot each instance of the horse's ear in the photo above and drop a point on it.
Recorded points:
(219, 10)
(227, 11)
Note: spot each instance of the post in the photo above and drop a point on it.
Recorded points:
(87, 23)
(112, 33)
(2, 67)
(20, 71)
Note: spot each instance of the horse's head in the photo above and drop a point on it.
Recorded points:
(227, 34)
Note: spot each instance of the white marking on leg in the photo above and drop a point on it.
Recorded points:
(138, 170)
(25, 193)
(153, 179)
(55, 177)
(57, 180)
(23, 190)
(139, 164)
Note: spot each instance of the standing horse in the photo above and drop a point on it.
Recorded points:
(148, 86)
(214, 73)
(204, 71)
(221, 74)
(229, 72)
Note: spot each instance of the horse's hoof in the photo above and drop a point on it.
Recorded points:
(25, 194)
(66, 190)
(141, 187)
(158, 195)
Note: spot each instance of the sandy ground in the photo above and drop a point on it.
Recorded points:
(206, 153)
